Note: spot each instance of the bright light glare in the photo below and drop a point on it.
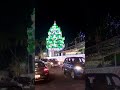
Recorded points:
(37, 76)
(51, 63)
(44, 53)
(78, 68)
(59, 63)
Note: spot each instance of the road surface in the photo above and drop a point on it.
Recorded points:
(59, 82)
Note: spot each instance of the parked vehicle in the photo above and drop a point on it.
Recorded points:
(103, 81)
(41, 71)
(74, 66)
(9, 86)
(103, 59)
(54, 62)
(24, 81)
(44, 61)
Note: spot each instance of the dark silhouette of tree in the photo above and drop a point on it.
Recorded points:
(13, 43)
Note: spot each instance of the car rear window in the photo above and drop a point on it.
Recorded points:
(39, 64)
(45, 60)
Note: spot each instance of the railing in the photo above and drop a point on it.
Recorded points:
(104, 48)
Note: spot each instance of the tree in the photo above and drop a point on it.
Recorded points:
(112, 25)
(55, 40)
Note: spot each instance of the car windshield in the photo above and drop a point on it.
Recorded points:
(76, 60)
(54, 60)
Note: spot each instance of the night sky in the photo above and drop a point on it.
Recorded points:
(13, 22)
(72, 17)
(14, 17)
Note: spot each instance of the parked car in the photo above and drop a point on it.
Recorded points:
(41, 71)
(24, 81)
(103, 81)
(44, 61)
(54, 62)
(9, 86)
(74, 66)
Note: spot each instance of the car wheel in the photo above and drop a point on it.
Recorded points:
(73, 75)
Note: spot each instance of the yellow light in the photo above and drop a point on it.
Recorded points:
(37, 76)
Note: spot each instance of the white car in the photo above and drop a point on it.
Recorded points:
(54, 62)
(45, 61)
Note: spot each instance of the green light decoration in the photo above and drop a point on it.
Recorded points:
(55, 41)
(31, 35)
(31, 47)
(31, 41)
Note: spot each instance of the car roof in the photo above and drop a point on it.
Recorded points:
(44, 59)
(40, 61)
(74, 57)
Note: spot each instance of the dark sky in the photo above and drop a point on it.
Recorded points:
(72, 17)
(13, 22)
(14, 17)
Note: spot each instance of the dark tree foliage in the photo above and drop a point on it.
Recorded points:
(14, 42)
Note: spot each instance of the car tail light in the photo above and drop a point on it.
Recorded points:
(46, 69)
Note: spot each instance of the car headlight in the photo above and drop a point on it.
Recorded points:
(51, 63)
(37, 76)
(78, 68)
(59, 63)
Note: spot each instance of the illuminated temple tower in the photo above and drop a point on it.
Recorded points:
(54, 41)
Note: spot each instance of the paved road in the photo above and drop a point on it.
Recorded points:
(60, 82)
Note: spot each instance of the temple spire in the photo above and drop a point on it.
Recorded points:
(54, 22)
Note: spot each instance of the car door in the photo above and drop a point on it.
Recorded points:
(39, 68)
(113, 82)
(65, 64)
(116, 82)
(70, 64)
